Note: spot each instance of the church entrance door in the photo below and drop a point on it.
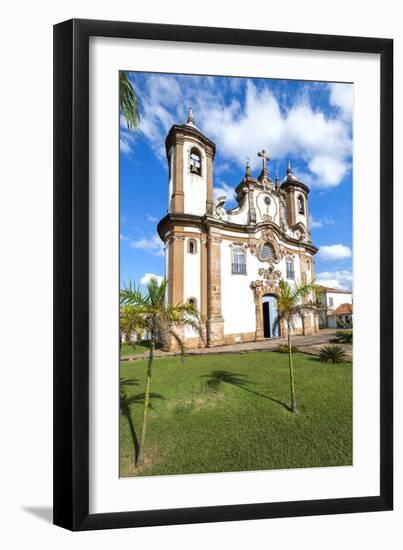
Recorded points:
(270, 324)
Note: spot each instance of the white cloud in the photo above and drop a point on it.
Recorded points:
(154, 245)
(123, 237)
(146, 278)
(342, 278)
(239, 131)
(224, 189)
(127, 139)
(222, 168)
(151, 218)
(334, 252)
(341, 96)
(329, 171)
(124, 146)
(321, 222)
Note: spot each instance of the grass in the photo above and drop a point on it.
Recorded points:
(230, 413)
(127, 350)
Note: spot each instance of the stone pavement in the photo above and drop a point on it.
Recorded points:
(307, 344)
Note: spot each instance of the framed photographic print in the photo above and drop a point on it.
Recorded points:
(223, 320)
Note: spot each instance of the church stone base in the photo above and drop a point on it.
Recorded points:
(239, 338)
(215, 332)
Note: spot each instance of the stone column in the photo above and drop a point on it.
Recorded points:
(175, 280)
(292, 217)
(178, 197)
(215, 321)
(203, 285)
(209, 182)
(259, 334)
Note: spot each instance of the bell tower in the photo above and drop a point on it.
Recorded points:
(190, 157)
(297, 199)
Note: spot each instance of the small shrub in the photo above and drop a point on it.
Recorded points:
(332, 354)
(345, 336)
(283, 348)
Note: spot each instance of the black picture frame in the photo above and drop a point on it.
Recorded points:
(71, 274)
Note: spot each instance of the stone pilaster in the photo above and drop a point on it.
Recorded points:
(203, 284)
(302, 263)
(292, 217)
(259, 335)
(178, 197)
(215, 321)
(209, 182)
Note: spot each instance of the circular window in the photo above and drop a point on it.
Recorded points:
(267, 200)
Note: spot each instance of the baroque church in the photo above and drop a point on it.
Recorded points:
(228, 263)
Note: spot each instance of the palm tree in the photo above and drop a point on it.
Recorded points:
(128, 103)
(131, 325)
(292, 302)
(160, 319)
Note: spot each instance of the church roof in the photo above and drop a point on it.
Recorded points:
(291, 180)
(189, 127)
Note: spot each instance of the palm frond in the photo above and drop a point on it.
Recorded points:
(128, 102)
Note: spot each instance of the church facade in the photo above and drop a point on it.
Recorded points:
(228, 263)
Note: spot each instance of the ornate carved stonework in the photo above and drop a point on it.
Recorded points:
(219, 211)
(270, 276)
(256, 248)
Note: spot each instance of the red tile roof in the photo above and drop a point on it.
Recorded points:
(344, 309)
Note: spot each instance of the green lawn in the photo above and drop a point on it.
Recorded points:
(127, 349)
(229, 413)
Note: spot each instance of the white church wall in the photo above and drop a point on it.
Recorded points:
(241, 214)
(191, 283)
(262, 209)
(194, 186)
(238, 308)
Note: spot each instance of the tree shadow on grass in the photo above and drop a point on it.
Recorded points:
(218, 377)
(126, 401)
(129, 382)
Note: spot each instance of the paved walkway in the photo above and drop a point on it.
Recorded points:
(307, 344)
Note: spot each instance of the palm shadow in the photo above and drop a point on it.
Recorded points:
(126, 402)
(218, 377)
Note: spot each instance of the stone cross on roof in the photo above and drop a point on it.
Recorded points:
(265, 157)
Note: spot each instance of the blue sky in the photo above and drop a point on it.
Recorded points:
(309, 123)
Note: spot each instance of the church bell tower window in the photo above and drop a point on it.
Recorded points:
(301, 208)
(192, 246)
(195, 161)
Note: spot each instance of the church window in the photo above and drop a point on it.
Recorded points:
(267, 251)
(192, 302)
(195, 161)
(301, 208)
(290, 268)
(192, 246)
(331, 302)
(238, 261)
(267, 200)
(307, 265)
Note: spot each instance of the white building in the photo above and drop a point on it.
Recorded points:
(337, 307)
(228, 262)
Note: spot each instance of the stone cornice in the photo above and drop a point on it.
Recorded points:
(206, 222)
(181, 131)
(294, 184)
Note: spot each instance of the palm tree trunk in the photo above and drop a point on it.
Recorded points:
(293, 397)
(140, 457)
